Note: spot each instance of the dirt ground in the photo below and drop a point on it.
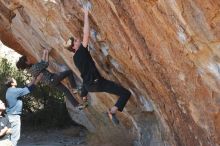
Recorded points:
(72, 136)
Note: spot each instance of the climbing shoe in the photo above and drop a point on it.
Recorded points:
(83, 106)
(75, 91)
(112, 117)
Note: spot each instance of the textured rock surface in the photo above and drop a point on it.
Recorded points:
(166, 52)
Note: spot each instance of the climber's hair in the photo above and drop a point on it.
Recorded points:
(69, 43)
(8, 82)
(22, 63)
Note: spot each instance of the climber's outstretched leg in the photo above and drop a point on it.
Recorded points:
(103, 85)
(58, 77)
(62, 88)
(56, 82)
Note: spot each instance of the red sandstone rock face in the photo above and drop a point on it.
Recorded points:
(166, 52)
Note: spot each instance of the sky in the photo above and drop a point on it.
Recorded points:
(8, 53)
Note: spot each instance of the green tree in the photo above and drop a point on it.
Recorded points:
(39, 106)
(7, 70)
